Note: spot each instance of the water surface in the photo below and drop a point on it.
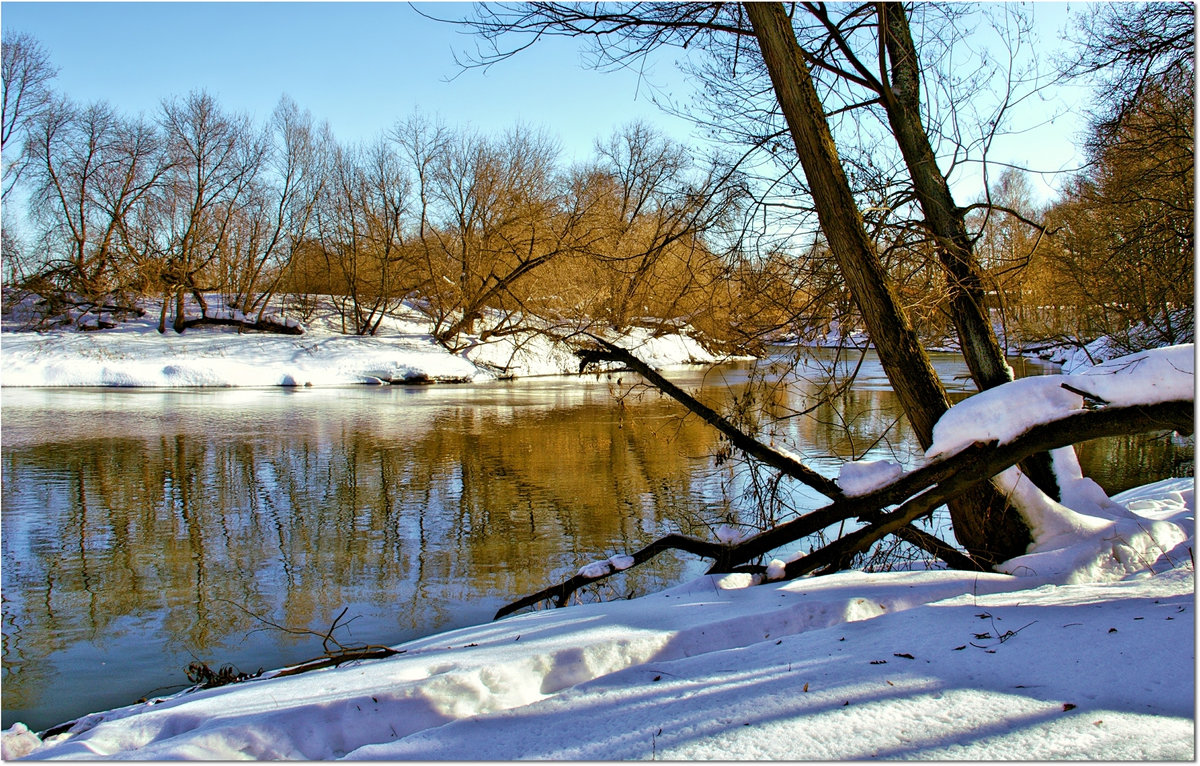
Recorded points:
(146, 529)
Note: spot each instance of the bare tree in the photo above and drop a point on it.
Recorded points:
(361, 225)
(277, 220)
(215, 160)
(25, 73)
(866, 67)
(1129, 50)
(654, 210)
(422, 143)
(501, 215)
(90, 169)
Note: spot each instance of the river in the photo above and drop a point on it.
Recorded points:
(147, 529)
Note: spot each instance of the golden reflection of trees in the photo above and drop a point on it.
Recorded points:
(138, 542)
(478, 505)
(1121, 462)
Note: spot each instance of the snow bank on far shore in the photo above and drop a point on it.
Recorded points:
(1074, 357)
(135, 354)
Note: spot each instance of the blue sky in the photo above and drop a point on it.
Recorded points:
(363, 66)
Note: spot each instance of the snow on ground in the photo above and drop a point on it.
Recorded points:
(134, 353)
(922, 664)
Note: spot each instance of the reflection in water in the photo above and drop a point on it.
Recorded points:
(141, 528)
(138, 530)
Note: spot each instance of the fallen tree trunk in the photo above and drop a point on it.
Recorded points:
(243, 325)
(340, 657)
(560, 593)
(1082, 426)
(917, 494)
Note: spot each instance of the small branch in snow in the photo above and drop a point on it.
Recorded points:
(340, 657)
(332, 657)
(1000, 637)
(1090, 401)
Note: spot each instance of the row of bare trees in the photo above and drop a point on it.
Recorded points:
(200, 201)
(197, 201)
(467, 226)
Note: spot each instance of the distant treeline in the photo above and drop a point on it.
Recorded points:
(491, 233)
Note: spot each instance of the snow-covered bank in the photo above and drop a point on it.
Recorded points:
(135, 354)
(933, 664)
(1075, 357)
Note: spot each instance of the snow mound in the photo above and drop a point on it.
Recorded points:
(728, 534)
(861, 477)
(597, 569)
(18, 741)
(1006, 411)
(523, 355)
(1132, 535)
(666, 350)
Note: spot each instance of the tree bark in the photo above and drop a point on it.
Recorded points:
(984, 523)
(944, 219)
(947, 223)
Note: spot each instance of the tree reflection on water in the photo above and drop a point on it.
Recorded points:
(139, 528)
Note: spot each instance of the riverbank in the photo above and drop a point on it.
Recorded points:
(922, 664)
(134, 354)
(131, 353)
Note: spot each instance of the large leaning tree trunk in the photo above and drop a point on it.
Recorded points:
(984, 523)
(945, 220)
